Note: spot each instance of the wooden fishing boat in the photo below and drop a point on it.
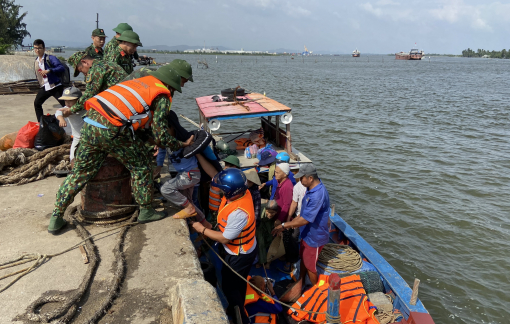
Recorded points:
(215, 112)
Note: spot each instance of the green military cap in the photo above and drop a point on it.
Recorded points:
(98, 32)
(130, 36)
(234, 160)
(183, 68)
(167, 76)
(122, 27)
(75, 59)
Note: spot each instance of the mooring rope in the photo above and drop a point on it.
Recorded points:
(31, 166)
(69, 303)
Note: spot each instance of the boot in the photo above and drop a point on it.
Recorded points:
(149, 215)
(56, 224)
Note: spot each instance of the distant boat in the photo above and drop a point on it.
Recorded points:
(414, 54)
(356, 53)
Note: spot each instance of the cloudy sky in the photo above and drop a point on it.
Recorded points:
(382, 26)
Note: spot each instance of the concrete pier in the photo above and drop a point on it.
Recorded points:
(164, 282)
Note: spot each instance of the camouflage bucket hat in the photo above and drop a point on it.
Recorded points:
(131, 37)
(74, 60)
(98, 32)
(182, 68)
(122, 27)
(168, 76)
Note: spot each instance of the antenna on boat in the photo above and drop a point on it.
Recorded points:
(97, 20)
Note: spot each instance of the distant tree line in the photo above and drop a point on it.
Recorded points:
(503, 54)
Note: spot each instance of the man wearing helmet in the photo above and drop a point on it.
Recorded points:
(236, 223)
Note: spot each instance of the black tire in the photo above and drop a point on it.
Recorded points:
(230, 92)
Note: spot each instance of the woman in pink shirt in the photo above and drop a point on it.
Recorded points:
(283, 195)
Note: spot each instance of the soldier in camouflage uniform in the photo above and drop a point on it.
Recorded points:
(128, 42)
(95, 50)
(100, 75)
(113, 43)
(99, 137)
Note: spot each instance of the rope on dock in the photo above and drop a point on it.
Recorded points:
(31, 165)
(69, 302)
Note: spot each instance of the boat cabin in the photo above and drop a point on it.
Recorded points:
(216, 110)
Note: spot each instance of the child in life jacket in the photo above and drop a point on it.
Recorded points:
(260, 308)
(75, 121)
(263, 233)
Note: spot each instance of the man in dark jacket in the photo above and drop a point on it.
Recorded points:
(48, 77)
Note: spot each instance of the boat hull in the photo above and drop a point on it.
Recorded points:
(340, 232)
(356, 55)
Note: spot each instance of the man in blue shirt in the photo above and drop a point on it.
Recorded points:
(313, 221)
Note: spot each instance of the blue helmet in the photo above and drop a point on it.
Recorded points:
(231, 181)
(282, 157)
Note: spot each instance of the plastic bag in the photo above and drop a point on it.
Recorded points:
(26, 135)
(50, 133)
(7, 141)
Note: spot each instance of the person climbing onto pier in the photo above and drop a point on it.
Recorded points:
(128, 41)
(236, 223)
(110, 126)
(95, 50)
(313, 222)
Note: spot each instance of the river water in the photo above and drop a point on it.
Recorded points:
(415, 155)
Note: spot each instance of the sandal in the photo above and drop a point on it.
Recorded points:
(183, 215)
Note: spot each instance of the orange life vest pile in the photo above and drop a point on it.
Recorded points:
(255, 137)
(354, 304)
(252, 296)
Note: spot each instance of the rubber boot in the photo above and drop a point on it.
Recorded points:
(56, 224)
(150, 215)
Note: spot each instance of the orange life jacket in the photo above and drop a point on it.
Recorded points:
(246, 238)
(242, 143)
(354, 304)
(128, 103)
(214, 199)
(252, 296)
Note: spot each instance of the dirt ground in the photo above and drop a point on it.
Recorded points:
(158, 254)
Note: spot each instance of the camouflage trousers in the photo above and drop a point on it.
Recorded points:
(95, 144)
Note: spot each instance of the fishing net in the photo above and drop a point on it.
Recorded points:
(371, 282)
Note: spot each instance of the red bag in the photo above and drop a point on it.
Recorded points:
(26, 135)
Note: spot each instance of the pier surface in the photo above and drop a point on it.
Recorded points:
(163, 283)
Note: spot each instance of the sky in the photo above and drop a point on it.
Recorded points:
(337, 26)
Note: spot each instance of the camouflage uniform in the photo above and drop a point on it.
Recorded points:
(117, 55)
(112, 44)
(100, 77)
(96, 53)
(96, 143)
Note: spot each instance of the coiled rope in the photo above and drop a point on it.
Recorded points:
(69, 302)
(340, 257)
(31, 165)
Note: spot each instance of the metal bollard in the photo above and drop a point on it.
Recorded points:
(333, 312)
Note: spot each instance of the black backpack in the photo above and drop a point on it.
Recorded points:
(65, 77)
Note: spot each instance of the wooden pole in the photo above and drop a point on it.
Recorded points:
(333, 312)
(289, 143)
(414, 295)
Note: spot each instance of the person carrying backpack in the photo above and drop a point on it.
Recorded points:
(49, 72)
